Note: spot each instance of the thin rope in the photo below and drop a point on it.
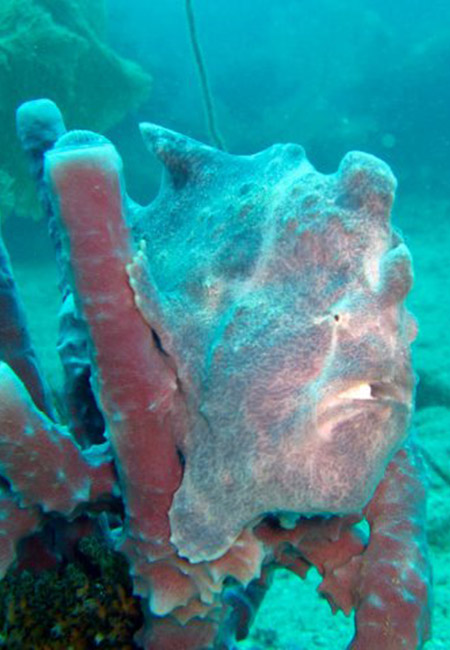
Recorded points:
(201, 69)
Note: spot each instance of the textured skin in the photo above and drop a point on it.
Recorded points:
(280, 291)
(249, 348)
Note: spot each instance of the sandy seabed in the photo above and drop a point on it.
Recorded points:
(292, 616)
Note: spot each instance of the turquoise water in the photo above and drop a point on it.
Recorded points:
(331, 75)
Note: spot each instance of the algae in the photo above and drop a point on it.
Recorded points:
(83, 603)
(55, 49)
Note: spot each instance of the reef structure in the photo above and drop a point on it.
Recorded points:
(58, 47)
(249, 351)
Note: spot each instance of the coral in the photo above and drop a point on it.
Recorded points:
(87, 603)
(248, 349)
(56, 47)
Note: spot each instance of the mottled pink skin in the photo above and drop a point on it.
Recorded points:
(260, 330)
(278, 293)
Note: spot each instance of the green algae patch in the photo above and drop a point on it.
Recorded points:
(55, 49)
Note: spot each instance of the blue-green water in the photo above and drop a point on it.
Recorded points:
(331, 75)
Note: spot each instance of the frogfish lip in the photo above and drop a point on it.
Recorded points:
(376, 391)
(364, 395)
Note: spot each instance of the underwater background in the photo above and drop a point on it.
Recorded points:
(332, 75)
